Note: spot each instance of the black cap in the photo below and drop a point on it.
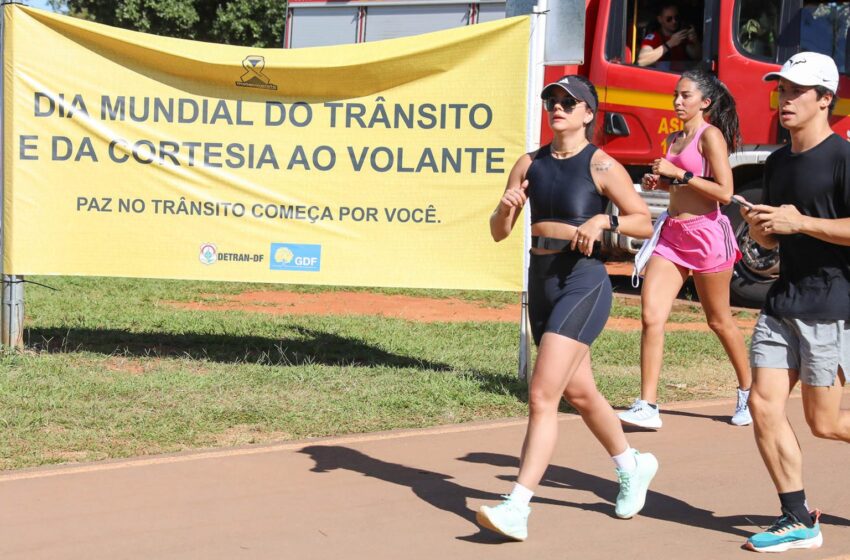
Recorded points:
(574, 87)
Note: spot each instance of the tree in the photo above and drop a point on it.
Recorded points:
(252, 23)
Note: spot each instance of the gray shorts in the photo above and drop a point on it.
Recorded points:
(816, 349)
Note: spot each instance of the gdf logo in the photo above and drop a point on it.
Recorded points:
(295, 256)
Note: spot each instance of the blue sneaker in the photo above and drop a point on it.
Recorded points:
(634, 485)
(787, 532)
(507, 518)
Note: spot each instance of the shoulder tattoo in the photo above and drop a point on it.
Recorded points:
(601, 166)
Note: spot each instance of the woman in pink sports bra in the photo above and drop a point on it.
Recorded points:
(696, 238)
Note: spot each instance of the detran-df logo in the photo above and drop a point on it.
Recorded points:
(208, 254)
(296, 256)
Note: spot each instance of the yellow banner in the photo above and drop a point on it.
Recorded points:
(375, 164)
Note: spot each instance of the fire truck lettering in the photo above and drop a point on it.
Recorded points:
(666, 126)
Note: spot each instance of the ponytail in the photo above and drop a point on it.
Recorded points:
(722, 112)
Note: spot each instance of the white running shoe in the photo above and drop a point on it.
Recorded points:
(507, 518)
(641, 415)
(742, 410)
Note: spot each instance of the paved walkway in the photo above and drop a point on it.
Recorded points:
(413, 494)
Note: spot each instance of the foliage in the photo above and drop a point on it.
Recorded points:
(252, 23)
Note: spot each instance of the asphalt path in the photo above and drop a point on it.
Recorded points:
(413, 494)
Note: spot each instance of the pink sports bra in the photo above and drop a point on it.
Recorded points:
(690, 159)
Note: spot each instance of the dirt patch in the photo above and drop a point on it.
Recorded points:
(626, 324)
(245, 434)
(358, 303)
(401, 307)
(125, 365)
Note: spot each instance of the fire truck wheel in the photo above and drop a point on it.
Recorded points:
(757, 269)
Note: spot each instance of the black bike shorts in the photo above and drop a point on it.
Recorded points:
(568, 294)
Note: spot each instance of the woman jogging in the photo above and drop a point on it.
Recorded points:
(568, 184)
(695, 238)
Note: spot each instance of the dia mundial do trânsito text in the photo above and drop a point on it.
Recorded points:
(433, 154)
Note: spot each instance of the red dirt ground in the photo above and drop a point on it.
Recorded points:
(400, 307)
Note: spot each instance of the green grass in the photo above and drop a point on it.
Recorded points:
(630, 309)
(111, 371)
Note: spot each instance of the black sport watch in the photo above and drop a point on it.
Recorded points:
(686, 178)
(613, 221)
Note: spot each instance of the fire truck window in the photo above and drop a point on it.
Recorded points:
(758, 27)
(652, 31)
(823, 29)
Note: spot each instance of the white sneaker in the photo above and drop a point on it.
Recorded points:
(641, 415)
(742, 410)
(507, 518)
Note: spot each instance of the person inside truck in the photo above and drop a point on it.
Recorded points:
(671, 46)
(803, 333)
(757, 25)
(568, 184)
(694, 238)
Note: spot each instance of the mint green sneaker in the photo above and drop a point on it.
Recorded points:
(507, 518)
(634, 485)
(787, 532)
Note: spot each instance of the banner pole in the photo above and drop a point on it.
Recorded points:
(12, 314)
(532, 142)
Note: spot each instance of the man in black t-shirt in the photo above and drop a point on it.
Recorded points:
(803, 333)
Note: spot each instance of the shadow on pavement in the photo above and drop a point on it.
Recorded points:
(658, 506)
(724, 418)
(439, 491)
(434, 488)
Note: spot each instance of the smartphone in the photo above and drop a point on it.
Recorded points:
(738, 199)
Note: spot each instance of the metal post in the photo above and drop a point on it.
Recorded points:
(12, 332)
(532, 142)
(12, 315)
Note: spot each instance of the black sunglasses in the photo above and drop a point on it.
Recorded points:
(567, 103)
(668, 19)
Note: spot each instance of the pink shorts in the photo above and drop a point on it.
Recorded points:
(702, 244)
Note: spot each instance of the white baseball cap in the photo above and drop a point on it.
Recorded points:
(808, 69)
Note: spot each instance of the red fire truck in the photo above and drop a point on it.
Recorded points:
(741, 40)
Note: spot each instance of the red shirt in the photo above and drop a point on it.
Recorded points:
(674, 54)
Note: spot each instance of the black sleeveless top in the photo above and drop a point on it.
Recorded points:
(562, 190)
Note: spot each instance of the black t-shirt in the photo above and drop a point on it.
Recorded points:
(814, 276)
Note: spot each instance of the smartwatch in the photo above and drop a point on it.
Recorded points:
(686, 178)
(613, 221)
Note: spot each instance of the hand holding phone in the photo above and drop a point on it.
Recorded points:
(738, 199)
